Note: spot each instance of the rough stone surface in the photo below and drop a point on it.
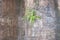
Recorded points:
(8, 20)
(43, 29)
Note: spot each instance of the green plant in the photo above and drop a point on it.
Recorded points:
(31, 16)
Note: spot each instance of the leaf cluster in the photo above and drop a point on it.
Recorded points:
(30, 15)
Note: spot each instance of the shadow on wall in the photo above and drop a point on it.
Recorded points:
(20, 4)
(20, 7)
(58, 19)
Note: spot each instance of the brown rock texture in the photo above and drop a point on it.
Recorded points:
(8, 20)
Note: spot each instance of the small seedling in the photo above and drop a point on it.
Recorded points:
(31, 16)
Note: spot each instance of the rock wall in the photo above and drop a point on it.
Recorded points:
(44, 28)
(21, 12)
(8, 20)
(58, 20)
